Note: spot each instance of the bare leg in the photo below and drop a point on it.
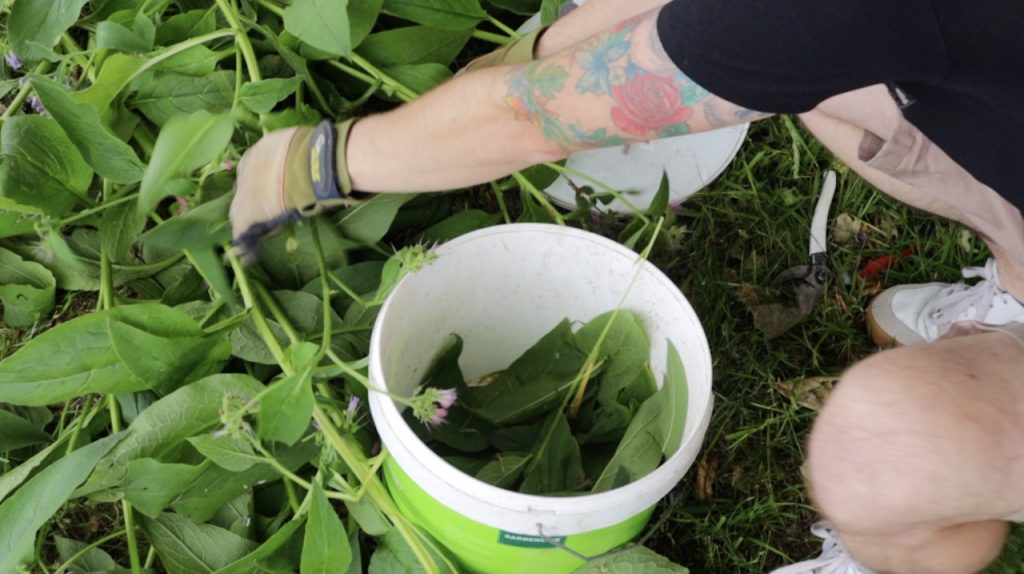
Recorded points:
(916, 457)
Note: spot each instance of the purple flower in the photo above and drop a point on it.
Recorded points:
(36, 104)
(13, 61)
(353, 404)
(439, 417)
(448, 398)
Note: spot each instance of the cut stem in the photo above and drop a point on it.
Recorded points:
(491, 37)
(540, 197)
(241, 38)
(504, 28)
(71, 560)
(126, 507)
(499, 195)
(566, 171)
(404, 93)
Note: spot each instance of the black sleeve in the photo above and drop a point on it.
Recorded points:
(786, 56)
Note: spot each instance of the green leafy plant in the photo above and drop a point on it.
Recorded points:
(169, 409)
(576, 413)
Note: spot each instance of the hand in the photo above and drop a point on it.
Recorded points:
(290, 173)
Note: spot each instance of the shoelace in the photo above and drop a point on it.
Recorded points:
(953, 301)
(834, 558)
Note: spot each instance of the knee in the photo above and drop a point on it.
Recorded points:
(866, 463)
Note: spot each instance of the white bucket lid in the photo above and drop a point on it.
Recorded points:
(501, 289)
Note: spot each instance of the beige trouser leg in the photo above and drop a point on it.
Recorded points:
(916, 457)
(865, 129)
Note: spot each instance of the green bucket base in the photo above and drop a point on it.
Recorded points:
(481, 549)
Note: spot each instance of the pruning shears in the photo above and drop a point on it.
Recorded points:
(812, 278)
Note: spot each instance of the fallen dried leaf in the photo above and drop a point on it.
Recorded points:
(847, 229)
(747, 294)
(707, 470)
(775, 319)
(809, 392)
(967, 241)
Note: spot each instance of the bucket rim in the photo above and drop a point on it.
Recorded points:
(559, 514)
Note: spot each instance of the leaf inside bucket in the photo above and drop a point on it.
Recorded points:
(515, 428)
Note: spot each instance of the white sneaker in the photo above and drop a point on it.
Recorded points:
(910, 314)
(834, 558)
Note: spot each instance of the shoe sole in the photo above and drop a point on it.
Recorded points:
(878, 334)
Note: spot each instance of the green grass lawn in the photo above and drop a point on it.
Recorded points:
(746, 509)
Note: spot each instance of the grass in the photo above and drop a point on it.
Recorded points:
(746, 509)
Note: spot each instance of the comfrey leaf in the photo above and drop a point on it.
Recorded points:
(555, 464)
(638, 560)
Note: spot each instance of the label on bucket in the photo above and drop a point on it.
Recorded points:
(527, 541)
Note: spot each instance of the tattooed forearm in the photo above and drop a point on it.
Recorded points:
(617, 87)
(720, 113)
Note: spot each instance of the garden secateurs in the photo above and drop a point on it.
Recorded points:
(810, 279)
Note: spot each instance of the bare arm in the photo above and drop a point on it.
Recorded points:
(593, 17)
(614, 88)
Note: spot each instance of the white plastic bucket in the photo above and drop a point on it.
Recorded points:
(501, 289)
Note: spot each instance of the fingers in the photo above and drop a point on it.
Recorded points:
(247, 243)
(257, 208)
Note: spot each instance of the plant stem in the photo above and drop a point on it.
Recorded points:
(403, 93)
(591, 364)
(293, 499)
(129, 520)
(540, 197)
(22, 95)
(399, 87)
(272, 7)
(106, 282)
(277, 312)
(340, 331)
(325, 289)
(355, 461)
(75, 431)
(241, 38)
(351, 455)
(229, 323)
(639, 213)
(501, 26)
(150, 557)
(178, 48)
(238, 81)
(491, 37)
(257, 316)
(347, 290)
(70, 561)
(499, 194)
(75, 53)
(157, 7)
(94, 210)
